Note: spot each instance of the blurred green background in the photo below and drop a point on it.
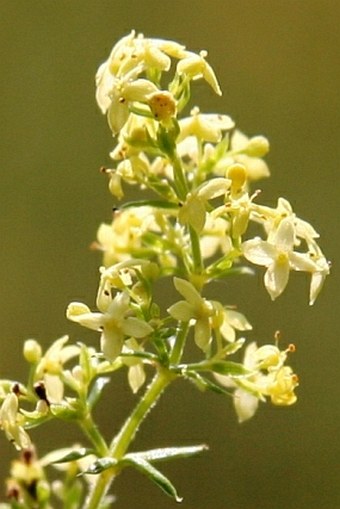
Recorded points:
(278, 66)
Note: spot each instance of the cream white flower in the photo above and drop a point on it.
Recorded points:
(123, 237)
(206, 127)
(281, 385)
(239, 210)
(11, 422)
(118, 83)
(195, 67)
(135, 133)
(194, 308)
(112, 320)
(278, 256)
(136, 373)
(321, 272)
(269, 378)
(215, 236)
(245, 401)
(270, 218)
(125, 64)
(135, 50)
(193, 210)
(51, 366)
(242, 151)
(238, 203)
(233, 321)
(123, 93)
(119, 80)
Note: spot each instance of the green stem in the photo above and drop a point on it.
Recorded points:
(127, 433)
(92, 432)
(178, 347)
(122, 441)
(196, 251)
(179, 178)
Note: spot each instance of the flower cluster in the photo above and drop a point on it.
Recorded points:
(269, 378)
(190, 230)
(201, 168)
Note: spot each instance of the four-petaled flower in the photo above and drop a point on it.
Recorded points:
(10, 422)
(51, 365)
(278, 256)
(268, 377)
(195, 308)
(113, 320)
(193, 210)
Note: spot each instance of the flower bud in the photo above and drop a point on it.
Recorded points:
(115, 185)
(258, 146)
(32, 351)
(238, 175)
(151, 271)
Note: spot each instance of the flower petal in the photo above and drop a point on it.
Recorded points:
(135, 327)
(80, 313)
(111, 343)
(276, 278)
(188, 291)
(213, 188)
(202, 333)
(285, 235)
(237, 320)
(181, 311)
(119, 306)
(117, 115)
(317, 281)
(245, 404)
(136, 377)
(302, 261)
(259, 251)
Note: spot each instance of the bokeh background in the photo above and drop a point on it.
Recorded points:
(278, 65)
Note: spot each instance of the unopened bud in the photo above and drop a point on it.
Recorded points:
(151, 271)
(32, 351)
(258, 146)
(238, 175)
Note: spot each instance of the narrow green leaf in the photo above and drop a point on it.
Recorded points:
(140, 355)
(237, 271)
(100, 465)
(96, 390)
(158, 204)
(223, 268)
(203, 383)
(233, 369)
(166, 453)
(154, 475)
(77, 454)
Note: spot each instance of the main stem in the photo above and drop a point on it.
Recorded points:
(180, 181)
(127, 433)
(196, 251)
